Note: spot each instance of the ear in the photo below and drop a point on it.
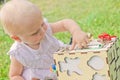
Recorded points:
(16, 38)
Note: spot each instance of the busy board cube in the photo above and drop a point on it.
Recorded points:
(89, 64)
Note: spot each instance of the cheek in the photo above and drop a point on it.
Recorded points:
(29, 40)
(36, 38)
(33, 39)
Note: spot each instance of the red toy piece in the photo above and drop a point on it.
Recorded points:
(106, 37)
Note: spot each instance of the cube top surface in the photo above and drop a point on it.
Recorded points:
(93, 46)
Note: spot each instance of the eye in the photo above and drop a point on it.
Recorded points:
(42, 24)
(39, 30)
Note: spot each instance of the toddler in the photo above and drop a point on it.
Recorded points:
(31, 54)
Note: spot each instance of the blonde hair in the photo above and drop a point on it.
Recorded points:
(17, 14)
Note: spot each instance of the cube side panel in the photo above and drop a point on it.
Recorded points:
(114, 60)
(83, 66)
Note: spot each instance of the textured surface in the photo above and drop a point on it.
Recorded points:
(108, 57)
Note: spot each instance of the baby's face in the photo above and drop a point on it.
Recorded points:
(34, 34)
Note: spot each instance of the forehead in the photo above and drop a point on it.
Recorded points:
(27, 30)
(21, 20)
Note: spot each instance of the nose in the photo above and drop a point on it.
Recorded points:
(45, 26)
(41, 32)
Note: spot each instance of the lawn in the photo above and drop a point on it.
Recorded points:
(93, 16)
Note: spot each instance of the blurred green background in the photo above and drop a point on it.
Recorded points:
(93, 16)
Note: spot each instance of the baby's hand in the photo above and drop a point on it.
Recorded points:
(80, 39)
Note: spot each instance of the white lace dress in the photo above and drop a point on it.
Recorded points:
(37, 62)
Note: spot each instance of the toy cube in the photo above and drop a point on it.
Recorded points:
(89, 64)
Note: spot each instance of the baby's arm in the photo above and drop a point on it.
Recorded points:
(80, 38)
(65, 25)
(16, 69)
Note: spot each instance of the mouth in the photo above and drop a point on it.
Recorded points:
(36, 44)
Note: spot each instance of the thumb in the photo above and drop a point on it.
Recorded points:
(72, 46)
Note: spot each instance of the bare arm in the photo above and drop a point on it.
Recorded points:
(16, 69)
(80, 38)
(65, 25)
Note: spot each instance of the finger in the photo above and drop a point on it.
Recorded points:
(87, 40)
(84, 44)
(80, 45)
(72, 46)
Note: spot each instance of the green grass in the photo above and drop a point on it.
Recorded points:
(94, 16)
